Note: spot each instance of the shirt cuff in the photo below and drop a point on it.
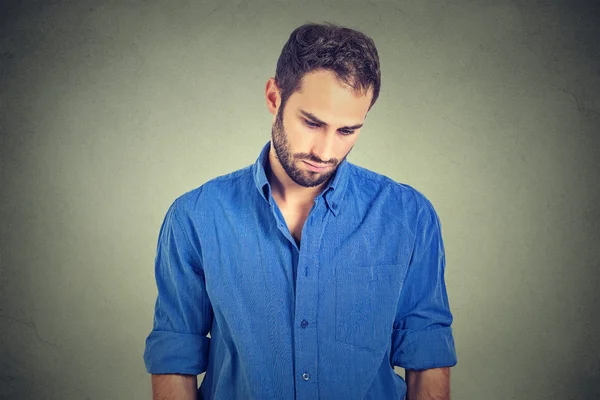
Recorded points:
(176, 353)
(419, 350)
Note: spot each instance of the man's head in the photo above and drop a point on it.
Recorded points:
(327, 79)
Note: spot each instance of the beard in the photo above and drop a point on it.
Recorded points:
(283, 153)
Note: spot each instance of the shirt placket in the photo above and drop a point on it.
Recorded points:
(305, 318)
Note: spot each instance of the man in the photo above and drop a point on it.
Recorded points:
(313, 276)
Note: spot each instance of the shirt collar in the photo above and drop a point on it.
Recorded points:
(333, 192)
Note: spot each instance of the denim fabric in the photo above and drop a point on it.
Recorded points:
(329, 319)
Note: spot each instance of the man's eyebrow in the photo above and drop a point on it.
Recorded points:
(318, 121)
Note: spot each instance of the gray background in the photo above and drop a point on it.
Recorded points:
(110, 110)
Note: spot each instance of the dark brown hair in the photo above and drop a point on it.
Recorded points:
(350, 54)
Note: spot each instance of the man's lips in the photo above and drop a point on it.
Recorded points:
(315, 168)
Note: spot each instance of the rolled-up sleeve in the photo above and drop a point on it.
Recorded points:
(422, 336)
(178, 342)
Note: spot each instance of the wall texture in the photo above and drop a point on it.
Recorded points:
(109, 110)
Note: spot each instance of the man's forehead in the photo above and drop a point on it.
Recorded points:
(329, 100)
(345, 110)
(324, 81)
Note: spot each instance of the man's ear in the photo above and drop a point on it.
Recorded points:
(272, 96)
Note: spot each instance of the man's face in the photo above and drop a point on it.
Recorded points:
(318, 125)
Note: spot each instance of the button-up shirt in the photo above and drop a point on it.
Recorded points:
(265, 318)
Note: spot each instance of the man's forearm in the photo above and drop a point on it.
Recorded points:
(174, 387)
(429, 384)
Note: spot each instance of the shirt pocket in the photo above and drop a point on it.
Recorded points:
(366, 298)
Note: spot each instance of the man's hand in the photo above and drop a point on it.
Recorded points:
(174, 387)
(429, 384)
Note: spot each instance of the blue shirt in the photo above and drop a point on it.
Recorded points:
(328, 319)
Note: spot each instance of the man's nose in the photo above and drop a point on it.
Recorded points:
(323, 148)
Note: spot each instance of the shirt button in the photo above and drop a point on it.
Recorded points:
(304, 323)
(333, 205)
(305, 376)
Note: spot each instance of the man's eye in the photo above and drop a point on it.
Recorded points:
(315, 125)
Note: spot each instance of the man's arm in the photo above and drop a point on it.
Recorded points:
(177, 347)
(429, 384)
(422, 340)
(174, 387)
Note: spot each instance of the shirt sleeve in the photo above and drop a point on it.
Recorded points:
(422, 337)
(178, 342)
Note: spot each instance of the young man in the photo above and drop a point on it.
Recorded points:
(313, 276)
